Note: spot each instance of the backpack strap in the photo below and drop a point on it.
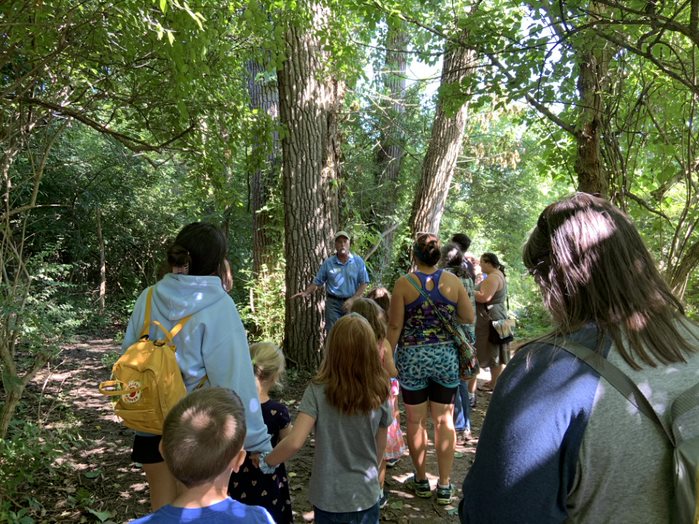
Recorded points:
(146, 318)
(617, 378)
(685, 402)
(171, 334)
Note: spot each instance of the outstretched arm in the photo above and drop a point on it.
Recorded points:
(288, 447)
(306, 292)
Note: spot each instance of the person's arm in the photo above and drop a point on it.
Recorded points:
(318, 282)
(381, 438)
(464, 308)
(523, 471)
(382, 433)
(389, 363)
(396, 313)
(306, 292)
(360, 291)
(133, 329)
(226, 359)
(487, 290)
(284, 432)
(362, 281)
(290, 445)
(358, 294)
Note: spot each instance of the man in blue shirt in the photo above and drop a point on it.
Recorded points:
(345, 278)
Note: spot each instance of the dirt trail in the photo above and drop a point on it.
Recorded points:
(110, 488)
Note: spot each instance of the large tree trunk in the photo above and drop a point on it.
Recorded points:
(391, 150)
(445, 144)
(264, 96)
(309, 100)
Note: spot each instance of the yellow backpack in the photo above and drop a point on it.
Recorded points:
(146, 379)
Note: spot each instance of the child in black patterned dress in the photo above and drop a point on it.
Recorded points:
(256, 488)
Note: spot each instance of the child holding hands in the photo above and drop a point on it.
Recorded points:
(253, 486)
(395, 443)
(346, 405)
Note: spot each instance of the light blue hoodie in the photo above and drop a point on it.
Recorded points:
(212, 343)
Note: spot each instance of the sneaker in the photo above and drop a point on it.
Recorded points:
(473, 400)
(444, 495)
(420, 487)
(383, 501)
(392, 462)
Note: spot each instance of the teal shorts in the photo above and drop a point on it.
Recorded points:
(418, 365)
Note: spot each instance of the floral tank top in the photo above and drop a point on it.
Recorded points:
(421, 325)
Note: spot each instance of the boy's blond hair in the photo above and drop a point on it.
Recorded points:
(202, 434)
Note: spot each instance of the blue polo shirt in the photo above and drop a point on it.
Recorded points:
(342, 280)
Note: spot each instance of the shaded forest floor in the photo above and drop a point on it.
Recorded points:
(99, 483)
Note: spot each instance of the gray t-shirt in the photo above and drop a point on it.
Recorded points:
(345, 474)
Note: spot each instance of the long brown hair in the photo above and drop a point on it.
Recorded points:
(591, 265)
(373, 313)
(355, 382)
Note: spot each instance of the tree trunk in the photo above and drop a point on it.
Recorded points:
(9, 407)
(678, 276)
(264, 96)
(445, 144)
(392, 141)
(309, 100)
(593, 83)
(103, 261)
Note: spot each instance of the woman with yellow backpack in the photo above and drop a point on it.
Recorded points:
(211, 345)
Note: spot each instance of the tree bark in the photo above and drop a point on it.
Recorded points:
(264, 96)
(593, 59)
(445, 144)
(391, 151)
(309, 100)
(103, 261)
(678, 276)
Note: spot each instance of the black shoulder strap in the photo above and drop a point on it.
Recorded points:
(616, 378)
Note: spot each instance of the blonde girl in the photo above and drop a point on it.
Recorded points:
(346, 405)
(395, 443)
(251, 485)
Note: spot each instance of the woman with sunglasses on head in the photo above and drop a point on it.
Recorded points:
(427, 359)
(559, 443)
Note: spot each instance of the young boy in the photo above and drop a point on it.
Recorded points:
(202, 444)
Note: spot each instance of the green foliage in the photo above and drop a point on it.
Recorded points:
(109, 358)
(263, 313)
(496, 196)
(28, 461)
(532, 321)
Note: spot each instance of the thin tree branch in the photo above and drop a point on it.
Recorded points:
(134, 144)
